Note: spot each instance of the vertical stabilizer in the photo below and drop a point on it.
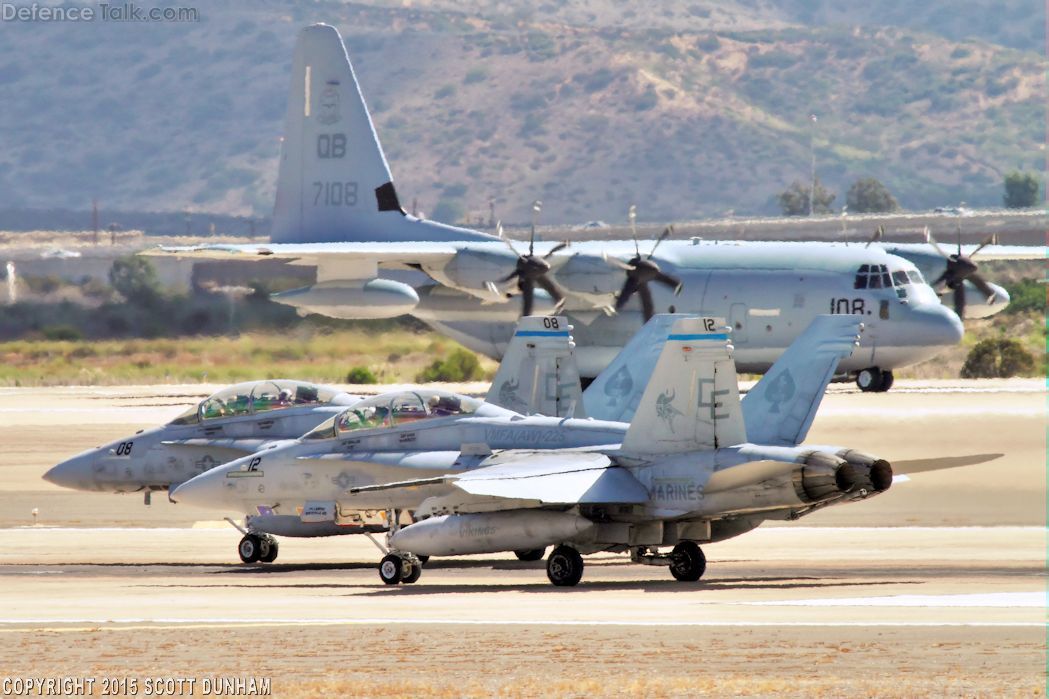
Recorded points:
(691, 402)
(780, 408)
(334, 184)
(538, 374)
(616, 392)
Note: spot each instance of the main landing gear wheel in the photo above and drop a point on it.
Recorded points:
(687, 562)
(414, 571)
(530, 554)
(250, 548)
(395, 569)
(870, 379)
(886, 381)
(390, 569)
(269, 550)
(564, 567)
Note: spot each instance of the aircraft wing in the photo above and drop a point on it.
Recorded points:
(315, 253)
(990, 252)
(547, 478)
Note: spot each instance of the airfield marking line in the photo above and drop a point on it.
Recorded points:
(787, 528)
(200, 623)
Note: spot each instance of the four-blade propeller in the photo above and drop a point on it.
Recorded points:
(640, 272)
(959, 269)
(532, 270)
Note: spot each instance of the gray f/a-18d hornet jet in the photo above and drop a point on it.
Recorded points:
(228, 424)
(415, 439)
(538, 376)
(337, 210)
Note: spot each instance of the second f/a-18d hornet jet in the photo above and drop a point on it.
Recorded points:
(337, 210)
(414, 439)
(696, 465)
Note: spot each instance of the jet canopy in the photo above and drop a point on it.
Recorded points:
(256, 397)
(395, 409)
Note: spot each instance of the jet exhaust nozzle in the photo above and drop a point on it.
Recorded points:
(848, 473)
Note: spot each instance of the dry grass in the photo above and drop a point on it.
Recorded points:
(394, 356)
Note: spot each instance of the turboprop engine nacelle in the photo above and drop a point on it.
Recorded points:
(976, 304)
(469, 269)
(451, 535)
(353, 299)
(848, 472)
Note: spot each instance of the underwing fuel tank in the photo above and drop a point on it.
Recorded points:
(353, 299)
(452, 535)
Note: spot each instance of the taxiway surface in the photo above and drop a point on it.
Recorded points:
(935, 587)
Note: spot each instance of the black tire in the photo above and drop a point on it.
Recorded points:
(530, 554)
(687, 562)
(391, 569)
(886, 381)
(250, 548)
(414, 571)
(869, 379)
(423, 559)
(564, 566)
(270, 546)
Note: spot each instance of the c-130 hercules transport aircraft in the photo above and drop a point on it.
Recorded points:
(337, 210)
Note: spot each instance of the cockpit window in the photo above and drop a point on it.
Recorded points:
(879, 277)
(325, 430)
(190, 417)
(262, 396)
(392, 409)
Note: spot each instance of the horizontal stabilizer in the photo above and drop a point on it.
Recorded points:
(940, 463)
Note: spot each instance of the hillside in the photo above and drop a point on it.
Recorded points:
(688, 108)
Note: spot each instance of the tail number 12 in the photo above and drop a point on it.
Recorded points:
(335, 194)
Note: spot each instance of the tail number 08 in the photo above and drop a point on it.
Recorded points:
(335, 194)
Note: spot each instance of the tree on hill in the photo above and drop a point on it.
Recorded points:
(869, 196)
(1022, 190)
(795, 200)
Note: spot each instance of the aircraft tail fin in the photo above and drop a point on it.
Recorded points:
(780, 408)
(691, 402)
(334, 184)
(538, 374)
(616, 392)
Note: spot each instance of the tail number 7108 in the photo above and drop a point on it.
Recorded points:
(335, 194)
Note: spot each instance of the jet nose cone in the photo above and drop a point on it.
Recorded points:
(72, 473)
(205, 490)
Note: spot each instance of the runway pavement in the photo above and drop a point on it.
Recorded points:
(936, 587)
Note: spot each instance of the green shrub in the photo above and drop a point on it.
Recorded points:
(361, 374)
(997, 358)
(61, 332)
(460, 365)
(1026, 295)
